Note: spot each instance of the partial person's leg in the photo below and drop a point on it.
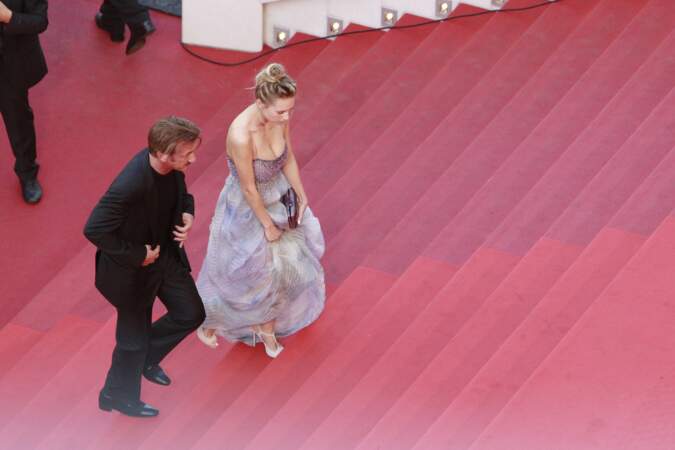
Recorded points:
(137, 18)
(207, 336)
(266, 333)
(132, 337)
(185, 311)
(110, 19)
(130, 11)
(19, 122)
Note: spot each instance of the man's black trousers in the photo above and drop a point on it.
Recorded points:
(139, 342)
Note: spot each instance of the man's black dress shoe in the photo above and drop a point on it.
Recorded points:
(31, 190)
(116, 30)
(138, 35)
(155, 374)
(133, 408)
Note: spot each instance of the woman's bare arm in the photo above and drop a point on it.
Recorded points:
(292, 173)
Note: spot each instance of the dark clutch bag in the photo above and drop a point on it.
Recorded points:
(290, 201)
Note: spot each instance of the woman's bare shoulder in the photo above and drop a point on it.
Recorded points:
(238, 141)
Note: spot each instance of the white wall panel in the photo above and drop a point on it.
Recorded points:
(244, 24)
(307, 16)
(228, 24)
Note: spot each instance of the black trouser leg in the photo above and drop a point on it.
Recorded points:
(112, 21)
(132, 342)
(129, 11)
(185, 311)
(18, 117)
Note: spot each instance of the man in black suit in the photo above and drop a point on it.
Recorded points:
(139, 227)
(22, 65)
(114, 14)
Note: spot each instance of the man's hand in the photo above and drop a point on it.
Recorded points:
(5, 13)
(151, 255)
(181, 233)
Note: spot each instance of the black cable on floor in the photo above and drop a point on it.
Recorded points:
(370, 30)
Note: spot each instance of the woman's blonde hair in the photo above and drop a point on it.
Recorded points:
(272, 83)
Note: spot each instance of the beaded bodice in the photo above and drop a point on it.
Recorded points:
(264, 169)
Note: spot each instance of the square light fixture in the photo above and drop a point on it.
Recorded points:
(443, 8)
(334, 26)
(389, 17)
(281, 36)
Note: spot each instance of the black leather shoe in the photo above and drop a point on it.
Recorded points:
(116, 31)
(133, 408)
(138, 35)
(155, 374)
(31, 191)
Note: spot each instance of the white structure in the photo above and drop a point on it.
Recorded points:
(246, 24)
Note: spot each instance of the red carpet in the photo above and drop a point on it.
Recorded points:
(497, 198)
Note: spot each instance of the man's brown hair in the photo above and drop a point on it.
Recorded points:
(168, 132)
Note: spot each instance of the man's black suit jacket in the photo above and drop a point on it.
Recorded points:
(125, 219)
(23, 61)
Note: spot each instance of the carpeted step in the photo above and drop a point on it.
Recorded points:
(44, 409)
(600, 370)
(354, 88)
(373, 145)
(38, 365)
(450, 193)
(319, 79)
(553, 158)
(557, 312)
(394, 201)
(390, 100)
(510, 303)
(15, 341)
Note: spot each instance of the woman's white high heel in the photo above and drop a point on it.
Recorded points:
(271, 352)
(209, 341)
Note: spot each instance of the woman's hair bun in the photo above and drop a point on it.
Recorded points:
(275, 72)
(273, 82)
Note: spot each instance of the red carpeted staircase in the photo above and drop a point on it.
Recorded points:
(498, 201)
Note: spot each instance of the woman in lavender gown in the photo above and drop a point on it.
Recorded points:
(261, 280)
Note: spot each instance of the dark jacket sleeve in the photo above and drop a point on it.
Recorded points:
(109, 215)
(189, 203)
(33, 20)
(188, 199)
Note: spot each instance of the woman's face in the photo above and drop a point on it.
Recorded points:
(279, 111)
